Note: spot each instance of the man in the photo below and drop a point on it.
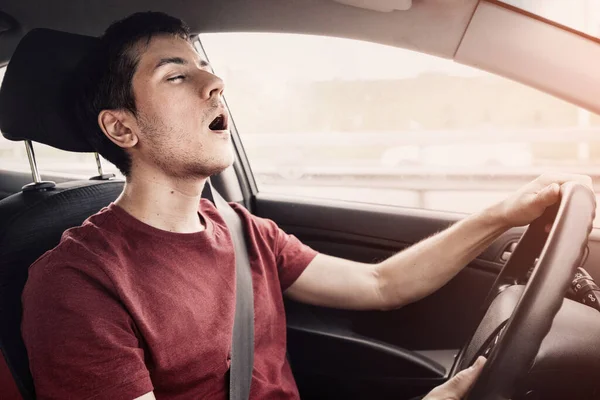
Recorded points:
(138, 302)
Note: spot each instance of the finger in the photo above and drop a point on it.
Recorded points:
(560, 178)
(459, 385)
(549, 195)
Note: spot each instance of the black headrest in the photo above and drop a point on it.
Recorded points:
(34, 97)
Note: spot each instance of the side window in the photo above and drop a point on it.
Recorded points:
(13, 157)
(358, 121)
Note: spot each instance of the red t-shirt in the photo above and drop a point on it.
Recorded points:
(120, 308)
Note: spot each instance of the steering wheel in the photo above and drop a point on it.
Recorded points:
(512, 346)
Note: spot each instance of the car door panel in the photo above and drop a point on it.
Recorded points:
(391, 345)
(335, 373)
(11, 182)
(440, 323)
(324, 344)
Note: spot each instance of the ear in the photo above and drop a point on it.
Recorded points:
(117, 126)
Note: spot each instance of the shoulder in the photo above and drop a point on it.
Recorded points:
(255, 226)
(86, 249)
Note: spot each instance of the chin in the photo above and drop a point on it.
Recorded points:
(222, 167)
(226, 160)
(211, 167)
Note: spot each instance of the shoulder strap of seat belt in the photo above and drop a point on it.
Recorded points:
(242, 343)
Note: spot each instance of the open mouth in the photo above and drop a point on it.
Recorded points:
(220, 123)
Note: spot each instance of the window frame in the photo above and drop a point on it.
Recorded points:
(241, 165)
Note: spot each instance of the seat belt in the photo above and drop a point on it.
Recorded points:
(242, 342)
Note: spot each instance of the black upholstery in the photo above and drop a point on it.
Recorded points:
(33, 106)
(31, 224)
(34, 98)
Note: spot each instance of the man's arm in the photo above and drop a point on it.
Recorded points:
(401, 279)
(425, 267)
(78, 333)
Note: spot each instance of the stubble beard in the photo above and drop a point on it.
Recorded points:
(180, 166)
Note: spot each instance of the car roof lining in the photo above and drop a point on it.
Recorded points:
(541, 55)
(430, 26)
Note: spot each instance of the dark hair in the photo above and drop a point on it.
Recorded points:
(104, 78)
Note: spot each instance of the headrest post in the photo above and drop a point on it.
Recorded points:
(35, 175)
(38, 184)
(101, 175)
(99, 164)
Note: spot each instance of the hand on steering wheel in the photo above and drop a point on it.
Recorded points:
(531, 200)
(513, 345)
(458, 386)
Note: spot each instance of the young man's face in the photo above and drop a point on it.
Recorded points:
(181, 120)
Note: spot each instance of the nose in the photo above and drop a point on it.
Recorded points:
(213, 86)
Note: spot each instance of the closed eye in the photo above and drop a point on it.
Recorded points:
(176, 78)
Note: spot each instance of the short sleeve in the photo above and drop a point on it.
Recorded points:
(80, 340)
(291, 255)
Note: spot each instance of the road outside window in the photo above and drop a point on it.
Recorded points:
(357, 121)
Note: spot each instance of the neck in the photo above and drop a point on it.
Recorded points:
(163, 202)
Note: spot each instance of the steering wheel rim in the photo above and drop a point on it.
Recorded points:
(518, 342)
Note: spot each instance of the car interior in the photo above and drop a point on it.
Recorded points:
(508, 304)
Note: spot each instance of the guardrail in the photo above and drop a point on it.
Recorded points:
(426, 137)
(419, 178)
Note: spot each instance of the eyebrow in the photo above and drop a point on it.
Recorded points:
(177, 60)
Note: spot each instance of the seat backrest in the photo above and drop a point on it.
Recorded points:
(36, 104)
(7, 383)
(32, 223)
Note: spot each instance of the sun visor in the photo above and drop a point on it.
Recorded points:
(35, 97)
